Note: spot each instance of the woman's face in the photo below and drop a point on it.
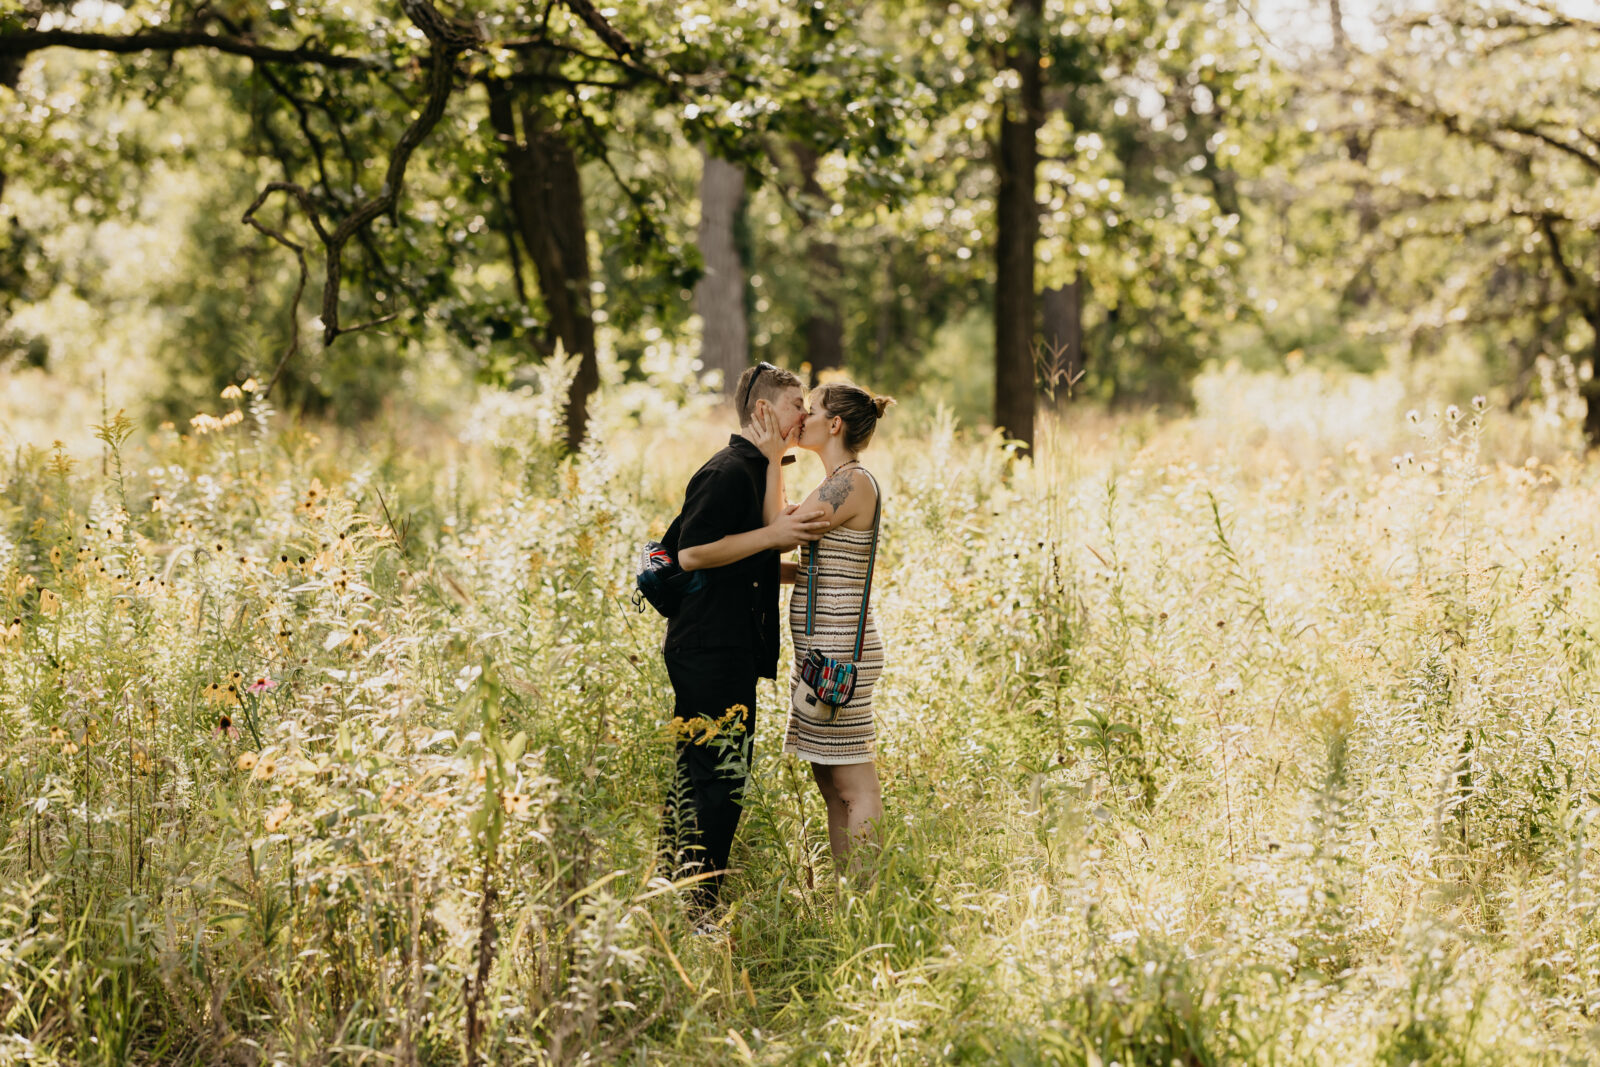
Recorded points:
(814, 431)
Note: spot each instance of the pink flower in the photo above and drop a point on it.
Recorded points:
(261, 685)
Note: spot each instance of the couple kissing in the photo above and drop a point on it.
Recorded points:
(734, 527)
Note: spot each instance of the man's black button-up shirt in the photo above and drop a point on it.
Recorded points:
(737, 607)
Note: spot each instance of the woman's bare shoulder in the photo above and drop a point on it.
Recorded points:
(845, 497)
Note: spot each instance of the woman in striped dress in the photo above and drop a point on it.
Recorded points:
(840, 748)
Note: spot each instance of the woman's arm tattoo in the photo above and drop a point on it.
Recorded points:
(836, 489)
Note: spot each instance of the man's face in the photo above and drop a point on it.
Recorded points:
(790, 407)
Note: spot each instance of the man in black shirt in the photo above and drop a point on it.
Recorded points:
(735, 523)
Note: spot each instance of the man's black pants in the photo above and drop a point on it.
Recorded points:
(707, 794)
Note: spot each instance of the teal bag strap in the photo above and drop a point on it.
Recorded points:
(872, 558)
(811, 587)
(866, 592)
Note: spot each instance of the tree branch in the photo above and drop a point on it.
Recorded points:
(448, 39)
(1463, 126)
(609, 34)
(300, 287)
(1547, 227)
(27, 42)
(304, 117)
(1577, 151)
(541, 44)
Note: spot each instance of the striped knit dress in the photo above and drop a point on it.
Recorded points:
(841, 561)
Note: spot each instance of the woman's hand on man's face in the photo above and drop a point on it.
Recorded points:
(767, 434)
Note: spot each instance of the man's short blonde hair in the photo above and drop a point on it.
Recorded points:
(764, 381)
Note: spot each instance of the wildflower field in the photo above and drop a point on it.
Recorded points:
(1202, 744)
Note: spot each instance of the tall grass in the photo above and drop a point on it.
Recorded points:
(1197, 749)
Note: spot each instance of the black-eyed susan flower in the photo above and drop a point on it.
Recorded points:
(277, 816)
(516, 803)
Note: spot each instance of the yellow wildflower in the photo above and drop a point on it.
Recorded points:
(232, 392)
(246, 761)
(516, 803)
(49, 603)
(278, 816)
(265, 768)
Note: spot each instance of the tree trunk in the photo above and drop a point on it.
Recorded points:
(719, 296)
(884, 318)
(1361, 288)
(1061, 309)
(11, 70)
(547, 206)
(824, 332)
(1591, 388)
(1017, 211)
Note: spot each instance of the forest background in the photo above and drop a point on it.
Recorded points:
(951, 201)
(1239, 571)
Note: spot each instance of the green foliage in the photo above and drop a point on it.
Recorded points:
(896, 103)
(1190, 753)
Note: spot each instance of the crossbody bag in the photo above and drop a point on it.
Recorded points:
(826, 684)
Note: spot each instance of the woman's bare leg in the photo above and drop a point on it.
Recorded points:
(838, 827)
(855, 804)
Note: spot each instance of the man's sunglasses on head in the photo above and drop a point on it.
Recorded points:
(749, 387)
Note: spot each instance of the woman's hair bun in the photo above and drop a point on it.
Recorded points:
(881, 404)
